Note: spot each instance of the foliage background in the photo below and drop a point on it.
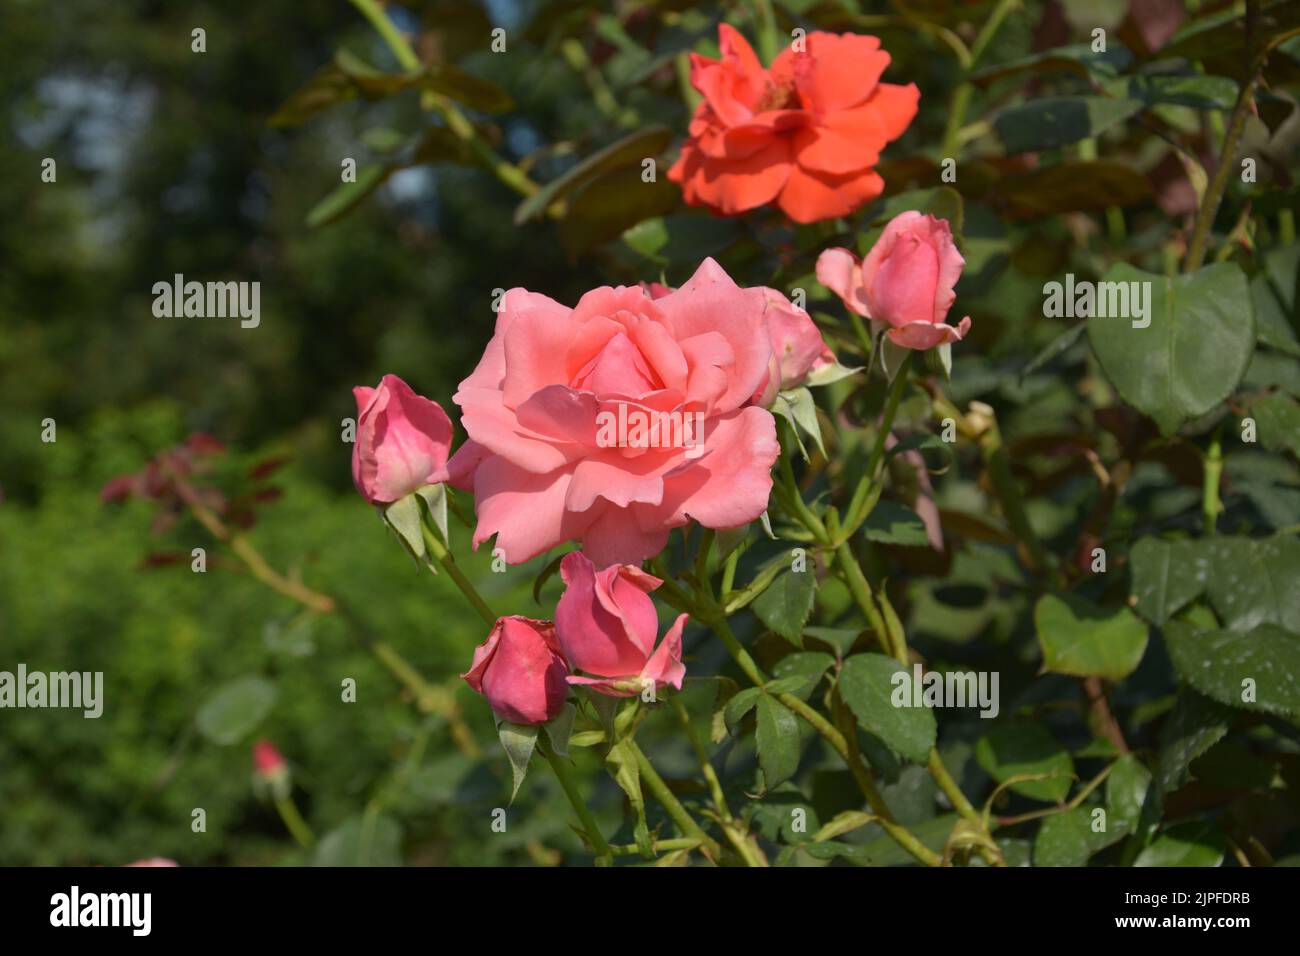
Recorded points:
(167, 164)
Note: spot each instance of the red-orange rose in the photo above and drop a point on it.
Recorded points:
(804, 134)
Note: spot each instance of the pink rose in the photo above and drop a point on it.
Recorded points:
(797, 347)
(520, 672)
(153, 861)
(906, 280)
(401, 444)
(549, 457)
(607, 625)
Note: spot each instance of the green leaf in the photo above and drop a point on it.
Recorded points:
(1253, 581)
(236, 707)
(519, 741)
(798, 407)
(786, 604)
(559, 729)
(740, 704)
(805, 669)
(879, 692)
(628, 151)
(1194, 351)
(1126, 789)
(372, 839)
(403, 516)
(1082, 640)
(611, 202)
(840, 639)
(346, 195)
(1277, 417)
(327, 88)
(893, 523)
(831, 373)
(1199, 843)
(777, 738)
(1220, 664)
(464, 88)
(1195, 90)
(1067, 839)
(1078, 58)
(1021, 748)
(1273, 292)
(1167, 576)
(1195, 725)
(1052, 121)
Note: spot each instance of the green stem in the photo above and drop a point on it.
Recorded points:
(794, 498)
(570, 788)
(838, 742)
(962, 94)
(439, 551)
(860, 590)
(668, 800)
(896, 646)
(460, 126)
(857, 512)
(1219, 181)
(658, 846)
(294, 822)
(1210, 503)
(373, 12)
(736, 836)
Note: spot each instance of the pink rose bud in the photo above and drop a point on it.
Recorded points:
(906, 281)
(797, 347)
(401, 443)
(153, 861)
(607, 625)
(520, 672)
(267, 761)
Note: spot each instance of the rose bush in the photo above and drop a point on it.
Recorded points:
(950, 591)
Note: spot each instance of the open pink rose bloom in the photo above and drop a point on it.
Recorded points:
(547, 457)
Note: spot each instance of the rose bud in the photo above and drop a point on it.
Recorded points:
(401, 443)
(906, 281)
(270, 768)
(797, 347)
(607, 625)
(520, 672)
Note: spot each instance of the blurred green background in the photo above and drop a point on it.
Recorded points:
(165, 164)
